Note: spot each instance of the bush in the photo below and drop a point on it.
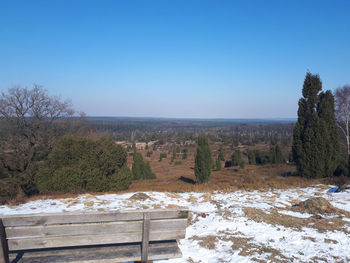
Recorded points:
(251, 157)
(184, 155)
(236, 158)
(141, 170)
(218, 165)
(262, 157)
(276, 154)
(221, 156)
(342, 168)
(80, 164)
(228, 164)
(161, 156)
(9, 188)
(242, 164)
(203, 160)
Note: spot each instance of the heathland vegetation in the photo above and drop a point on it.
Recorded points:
(48, 148)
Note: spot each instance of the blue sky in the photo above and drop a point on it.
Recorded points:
(179, 58)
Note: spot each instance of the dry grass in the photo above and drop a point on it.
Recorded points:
(89, 203)
(245, 245)
(274, 218)
(180, 178)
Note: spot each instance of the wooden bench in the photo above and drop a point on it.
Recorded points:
(98, 237)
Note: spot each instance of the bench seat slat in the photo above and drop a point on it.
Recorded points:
(92, 228)
(83, 240)
(90, 217)
(106, 254)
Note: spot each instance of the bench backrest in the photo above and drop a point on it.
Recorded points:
(37, 231)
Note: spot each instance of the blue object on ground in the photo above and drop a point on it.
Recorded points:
(333, 190)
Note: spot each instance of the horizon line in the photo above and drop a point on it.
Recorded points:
(193, 118)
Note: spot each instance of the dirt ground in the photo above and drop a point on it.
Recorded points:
(173, 177)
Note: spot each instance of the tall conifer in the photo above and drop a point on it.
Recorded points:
(315, 136)
(203, 162)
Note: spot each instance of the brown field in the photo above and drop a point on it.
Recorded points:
(180, 178)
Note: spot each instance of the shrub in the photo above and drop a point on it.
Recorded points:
(9, 188)
(221, 156)
(236, 158)
(228, 164)
(276, 154)
(242, 164)
(203, 160)
(161, 156)
(251, 157)
(342, 169)
(262, 157)
(140, 169)
(173, 157)
(80, 164)
(218, 165)
(184, 155)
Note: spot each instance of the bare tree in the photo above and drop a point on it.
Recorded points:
(31, 120)
(342, 111)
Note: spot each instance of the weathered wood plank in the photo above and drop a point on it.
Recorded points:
(90, 217)
(3, 245)
(83, 240)
(73, 229)
(93, 228)
(106, 254)
(145, 237)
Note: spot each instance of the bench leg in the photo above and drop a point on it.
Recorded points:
(4, 255)
(145, 237)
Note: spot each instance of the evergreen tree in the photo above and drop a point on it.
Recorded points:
(140, 169)
(276, 154)
(242, 164)
(77, 164)
(218, 165)
(251, 157)
(315, 136)
(202, 160)
(184, 155)
(221, 156)
(236, 158)
(327, 115)
(161, 156)
(173, 157)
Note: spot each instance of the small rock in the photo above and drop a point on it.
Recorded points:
(315, 205)
(140, 196)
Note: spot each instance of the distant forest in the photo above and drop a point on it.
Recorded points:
(236, 131)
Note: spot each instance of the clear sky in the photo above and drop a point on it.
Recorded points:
(178, 58)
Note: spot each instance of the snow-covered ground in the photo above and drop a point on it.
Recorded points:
(236, 226)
